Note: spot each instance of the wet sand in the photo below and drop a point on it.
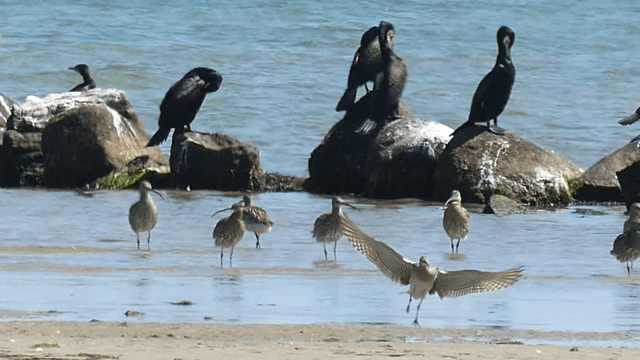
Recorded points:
(101, 340)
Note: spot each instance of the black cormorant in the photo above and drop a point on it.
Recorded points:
(388, 85)
(365, 66)
(494, 90)
(88, 83)
(183, 100)
(630, 120)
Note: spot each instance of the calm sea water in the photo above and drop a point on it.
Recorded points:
(285, 66)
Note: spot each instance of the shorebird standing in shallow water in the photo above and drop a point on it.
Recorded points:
(456, 221)
(256, 219)
(229, 231)
(626, 247)
(143, 215)
(328, 226)
(422, 278)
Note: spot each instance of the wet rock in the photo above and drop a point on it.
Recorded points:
(479, 164)
(502, 205)
(599, 182)
(213, 161)
(21, 159)
(6, 104)
(89, 142)
(35, 113)
(388, 162)
(403, 159)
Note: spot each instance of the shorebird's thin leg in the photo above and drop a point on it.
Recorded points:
(325, 251)
(231, 256)
(149, 241)
(452, 245)
(257, 240)
(138, 240)
(409, 305)
(335, 255)
(221, 254)
(458, 244)
(415, 322)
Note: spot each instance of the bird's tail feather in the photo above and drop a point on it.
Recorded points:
(160, 136)
(347, 100)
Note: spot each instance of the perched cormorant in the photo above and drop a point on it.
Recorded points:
(365, 66)
(388, 85)
(494, 90)
(630, 120)
(183, 100)
(88, 83)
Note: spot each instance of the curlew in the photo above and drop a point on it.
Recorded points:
(143, 215)
(422, 278)
(256, 219)
(626, 247)
(456, 221)
(328, 226)
(229, 231)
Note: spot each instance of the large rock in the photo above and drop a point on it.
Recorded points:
(35, 113)
(403, 159)
(599, 182)
(479, 163)
(5, 109)
(21, 159)
(89, 142)
(338, 164)
(213, 161)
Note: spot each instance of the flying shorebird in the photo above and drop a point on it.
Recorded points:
(143, 215)
(456, 221)
(422, 278)
(229, 231)
(626, 247)
(327, 227)
(256, 219)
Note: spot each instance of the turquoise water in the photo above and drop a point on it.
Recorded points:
(285, 66)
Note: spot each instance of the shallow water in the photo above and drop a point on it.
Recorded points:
(285, 67)
(79, 262)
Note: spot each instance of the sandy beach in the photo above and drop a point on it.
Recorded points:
(101, 340)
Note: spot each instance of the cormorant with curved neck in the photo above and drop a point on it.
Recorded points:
(630, 120)
(88, 82)
(183, 100)
(493, 92)
(365, 66)
(389, 84)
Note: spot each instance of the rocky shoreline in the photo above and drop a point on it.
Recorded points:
(95, 140)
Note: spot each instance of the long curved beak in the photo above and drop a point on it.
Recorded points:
(349, 205)
(158, 194)
(219, 211)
